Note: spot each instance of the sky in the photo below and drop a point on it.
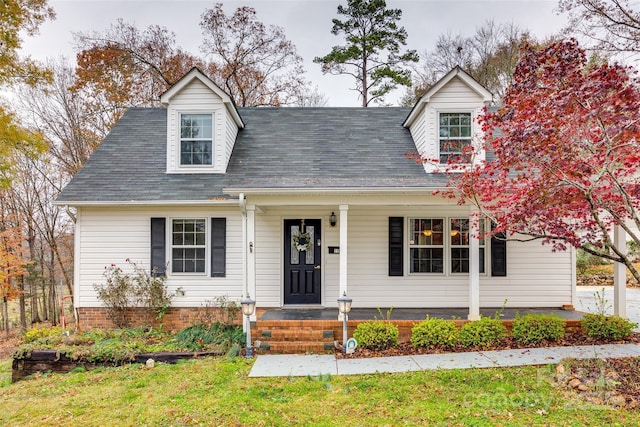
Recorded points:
(307, 23)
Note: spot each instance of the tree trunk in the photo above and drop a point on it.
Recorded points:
(5, 313)
(53, 294)
(45, 300)
(23, 305)
(35, 314)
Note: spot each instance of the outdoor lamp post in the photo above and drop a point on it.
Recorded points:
(344, 306)
(248, 307)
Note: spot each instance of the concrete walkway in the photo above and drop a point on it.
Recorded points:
(304, 365)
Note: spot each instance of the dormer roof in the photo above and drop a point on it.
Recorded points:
(193, 74)
(456, 72)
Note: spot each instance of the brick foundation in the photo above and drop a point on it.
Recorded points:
(175, 319)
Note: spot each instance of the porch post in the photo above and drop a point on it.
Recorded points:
(251, 254)
(620, 274)
(474, 265)
(344, 209)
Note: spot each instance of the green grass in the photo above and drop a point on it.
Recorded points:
(218, 392)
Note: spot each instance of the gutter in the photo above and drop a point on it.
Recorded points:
(211, 202)
(336, 191)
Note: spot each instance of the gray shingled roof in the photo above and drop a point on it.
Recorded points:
(279, 148)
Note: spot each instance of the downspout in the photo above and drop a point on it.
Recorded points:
(242, 202)
(71, 214)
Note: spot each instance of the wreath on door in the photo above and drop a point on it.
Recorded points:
(302, 241)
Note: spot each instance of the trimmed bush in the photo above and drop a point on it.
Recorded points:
(536, 328)
(600, 326)
(434, 333)
(482, 333)
(376, 335)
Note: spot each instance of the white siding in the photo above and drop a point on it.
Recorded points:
(111, 235)
(455, 96)
(536, 276)
(198, 98)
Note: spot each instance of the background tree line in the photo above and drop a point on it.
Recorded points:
(56, 113)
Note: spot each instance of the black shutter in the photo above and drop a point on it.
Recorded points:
(158, 246)
(499, 255)
(396, 238)
(218, 247)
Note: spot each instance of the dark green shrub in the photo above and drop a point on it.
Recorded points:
(536, 328)
(434, 333)
(482, 333)
(376, 335)
(600, 326)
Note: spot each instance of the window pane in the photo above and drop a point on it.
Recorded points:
(188, 252)
(309, 259)
(459, 260)
(427, 260)
(196, 134)
(460, 231)
(455, 134)
(295, 254)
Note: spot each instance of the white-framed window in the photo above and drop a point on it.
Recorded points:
(441, 245)
(426, 245)
(459, 235)
(188, 245)
(196, 139)
(454, 130)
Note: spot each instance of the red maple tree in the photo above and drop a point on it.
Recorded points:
(566, 153)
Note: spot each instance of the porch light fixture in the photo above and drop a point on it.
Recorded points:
(344, 306)
(248, 307)
(332, 219)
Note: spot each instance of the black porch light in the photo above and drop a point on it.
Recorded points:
(332, 219)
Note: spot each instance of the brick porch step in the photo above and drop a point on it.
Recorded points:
(295, 347)
(291, 337)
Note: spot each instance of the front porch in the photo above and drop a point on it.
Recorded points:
(316, 330)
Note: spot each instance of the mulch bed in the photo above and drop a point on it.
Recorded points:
(508, 343)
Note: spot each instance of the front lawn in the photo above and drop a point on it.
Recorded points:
(217, 391)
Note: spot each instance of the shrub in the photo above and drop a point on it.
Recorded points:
(376, 335)
(434, 333)
(116, 295)
(535, 328)
(123, 291)
(482, 333)
(585, 261)
(202, 337)
(219, 310)
(42, 332)
(600, 326)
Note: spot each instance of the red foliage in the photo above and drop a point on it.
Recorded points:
(567, 151)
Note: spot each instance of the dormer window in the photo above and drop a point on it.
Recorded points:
(455, 135)
(196, 139)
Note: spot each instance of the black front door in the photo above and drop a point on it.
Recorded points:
(302, 251)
